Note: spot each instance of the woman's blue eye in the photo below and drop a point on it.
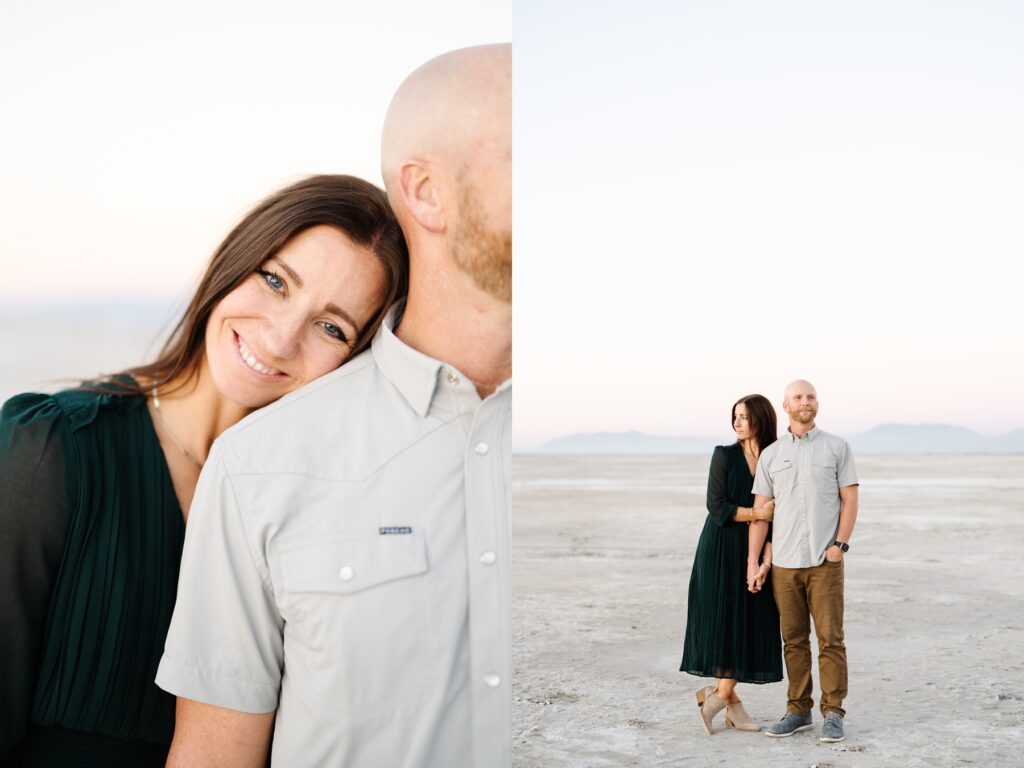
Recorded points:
(272, 279)
(332, 330)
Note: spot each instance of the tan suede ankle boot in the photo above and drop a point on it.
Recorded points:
(702, 693)
(736, 717)
(712, 706)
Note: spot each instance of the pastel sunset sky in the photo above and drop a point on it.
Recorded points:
(716, 198)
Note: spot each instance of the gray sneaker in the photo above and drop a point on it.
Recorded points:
(790, 723)
(832, 728)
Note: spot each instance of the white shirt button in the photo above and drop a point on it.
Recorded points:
(481, 449)
(453, 379)
(346, 573)
(492, 680)
(488, 558)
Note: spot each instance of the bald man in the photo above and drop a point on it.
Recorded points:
(345, 584)
(812, 478)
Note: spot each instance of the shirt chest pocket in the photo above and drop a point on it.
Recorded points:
(825, 467)
(355, 611)
(348, 565)
(783, 477)
(825, 477)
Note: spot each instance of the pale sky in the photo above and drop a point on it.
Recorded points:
(134, 135)
(715, 198)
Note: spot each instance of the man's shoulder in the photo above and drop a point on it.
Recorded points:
(305, 402)
(833, 441)
(307, 430)
(770, 450)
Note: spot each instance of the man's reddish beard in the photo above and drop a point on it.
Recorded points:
(484, 255)
(804, 417)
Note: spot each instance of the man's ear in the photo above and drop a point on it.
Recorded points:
(421, 196)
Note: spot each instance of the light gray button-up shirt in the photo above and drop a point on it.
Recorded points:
(804, 476)
(347, 562)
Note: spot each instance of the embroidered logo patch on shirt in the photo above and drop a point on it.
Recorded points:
(391, 530)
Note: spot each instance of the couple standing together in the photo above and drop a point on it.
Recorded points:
(341, 592)
(770, 557)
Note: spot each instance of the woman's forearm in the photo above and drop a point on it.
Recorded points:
(756, 534)
(744, 515)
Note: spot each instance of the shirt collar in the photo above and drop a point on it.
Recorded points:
(809, 434)
(411, 372)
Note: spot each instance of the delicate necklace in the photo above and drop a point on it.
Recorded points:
(167, 429)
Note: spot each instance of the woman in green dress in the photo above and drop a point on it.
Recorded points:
(95, 482)
(732, 633)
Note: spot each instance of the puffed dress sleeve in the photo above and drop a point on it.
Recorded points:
(722, 510)
(34, 515)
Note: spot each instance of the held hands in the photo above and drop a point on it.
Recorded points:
(756, 574)
(752, 571)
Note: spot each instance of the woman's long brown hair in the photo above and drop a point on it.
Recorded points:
(354, 206)
(762, 419)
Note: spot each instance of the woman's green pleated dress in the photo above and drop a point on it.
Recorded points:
(90, 545)
(730, 631)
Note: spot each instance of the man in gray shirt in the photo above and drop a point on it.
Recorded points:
(812, 477)
(345, 585)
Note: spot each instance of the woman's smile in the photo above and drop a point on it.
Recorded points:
(254, 363)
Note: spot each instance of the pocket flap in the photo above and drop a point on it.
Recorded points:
(345, 565)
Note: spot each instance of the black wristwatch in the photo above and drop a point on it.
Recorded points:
(842, 545)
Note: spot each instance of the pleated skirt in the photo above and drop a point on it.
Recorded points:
(730, 632)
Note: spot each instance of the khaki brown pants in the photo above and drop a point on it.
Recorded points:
(802, 594)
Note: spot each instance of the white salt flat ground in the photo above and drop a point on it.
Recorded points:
(934, 614)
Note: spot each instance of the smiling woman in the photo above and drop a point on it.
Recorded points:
(298, 316)
(340, 228)
(98, 479)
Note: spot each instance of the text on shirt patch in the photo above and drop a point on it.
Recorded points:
(391, 530)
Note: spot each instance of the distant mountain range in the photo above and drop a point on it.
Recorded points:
(885, 438)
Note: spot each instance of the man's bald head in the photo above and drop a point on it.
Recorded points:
(446, 158)
(449, 110)
(800, 385)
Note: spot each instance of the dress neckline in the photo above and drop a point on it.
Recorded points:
(743, 460)
(165, 469)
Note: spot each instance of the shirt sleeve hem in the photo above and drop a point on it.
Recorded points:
(209, 687)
